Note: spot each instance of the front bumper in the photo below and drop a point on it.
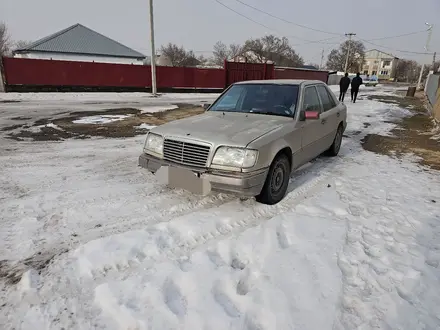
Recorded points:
(242, 184)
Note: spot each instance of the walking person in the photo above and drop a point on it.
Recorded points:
(356, 82)
(344, 83)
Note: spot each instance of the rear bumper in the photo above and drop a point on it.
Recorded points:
(242, 184)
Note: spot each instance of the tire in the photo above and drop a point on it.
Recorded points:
(277, 181)
(336, 145)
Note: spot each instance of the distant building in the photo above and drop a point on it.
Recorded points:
(161, 60)
(310, 67)
(79, 43)
(380, 64)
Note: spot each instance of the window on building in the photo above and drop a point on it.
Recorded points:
(365, 71)
(374, 73)
(384, 73)
(386, 63)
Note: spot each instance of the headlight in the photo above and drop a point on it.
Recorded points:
(235, 157)
(154, 144)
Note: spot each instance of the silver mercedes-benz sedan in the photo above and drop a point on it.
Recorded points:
(249, 140)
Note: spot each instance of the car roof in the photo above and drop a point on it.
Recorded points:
(280, 82)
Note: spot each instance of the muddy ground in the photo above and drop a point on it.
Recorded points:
(63, 128)
(412, 135)
(417, 134)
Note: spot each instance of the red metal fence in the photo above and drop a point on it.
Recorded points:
(185, 77)
(295, 73)
(34, 74)
(239, 71)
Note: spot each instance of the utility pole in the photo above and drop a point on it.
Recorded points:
(428, 40)
(322, 59)
(153, 52)
(349, 35)
(433, 62)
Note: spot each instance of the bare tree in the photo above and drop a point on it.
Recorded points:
(407, 71)
(5, 40)
(273, 49)
(222, 52)
(179, 56)
(337, 57)
(22, 44)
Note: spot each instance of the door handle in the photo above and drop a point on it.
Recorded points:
(323, 121)
(338, 114)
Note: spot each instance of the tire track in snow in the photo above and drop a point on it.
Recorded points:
(192, 204)
(172, 247)
(59, 280)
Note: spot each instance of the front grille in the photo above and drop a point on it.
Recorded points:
(185, 153)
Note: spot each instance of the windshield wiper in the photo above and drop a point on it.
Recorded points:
(269, 113)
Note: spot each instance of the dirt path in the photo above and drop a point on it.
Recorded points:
(417, 134)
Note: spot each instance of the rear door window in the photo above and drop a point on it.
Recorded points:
(311, 100)
(326, 99)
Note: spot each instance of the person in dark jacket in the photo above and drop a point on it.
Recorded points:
(356, 82)
(344, 83)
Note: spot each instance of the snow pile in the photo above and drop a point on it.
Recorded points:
(101, 119)
(152, 109)
(28, 286)
(37, 129)
(145, 126)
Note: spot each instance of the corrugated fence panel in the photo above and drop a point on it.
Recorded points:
(71, 73)
(292, 73)
(432, 85)
(180, 77)
(209, 78)
(35, 72)
(241, 71)
(20, 71)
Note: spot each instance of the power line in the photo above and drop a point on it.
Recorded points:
(322, 41)
(267, 27)
(286, 21)
(396, 50)
(244, 16)
(398, 36)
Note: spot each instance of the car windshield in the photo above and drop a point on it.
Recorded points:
(266, 99)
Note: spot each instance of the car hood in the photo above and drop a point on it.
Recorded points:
(235, 129)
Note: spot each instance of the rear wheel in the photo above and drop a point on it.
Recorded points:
(277, 180)
(336, 145)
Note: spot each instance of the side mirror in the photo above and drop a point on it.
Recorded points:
(311, 114)
(206, 106)
(308, 115)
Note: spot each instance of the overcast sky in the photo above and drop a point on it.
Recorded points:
(198, 24)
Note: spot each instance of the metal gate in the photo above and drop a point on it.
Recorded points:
(241, 71)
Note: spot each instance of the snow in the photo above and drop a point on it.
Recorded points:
(101, 119)
(36, 129)
(35, 106)
(151, 109)
(354, 244)
(145, 126)
(100, 97)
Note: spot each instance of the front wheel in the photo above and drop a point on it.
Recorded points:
(277, 181)
(336, 145)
